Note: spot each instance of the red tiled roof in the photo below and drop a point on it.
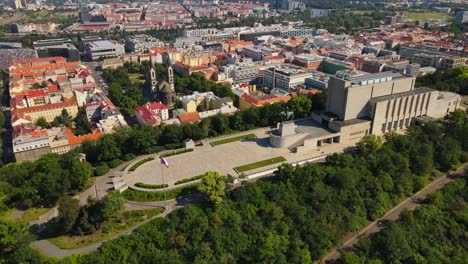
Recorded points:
(73, 140)
(189, 117)
(39, 108)
(147, 113)
(37, 92)
(268, 99)
(33, 60)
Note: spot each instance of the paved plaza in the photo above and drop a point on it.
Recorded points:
(222, 158)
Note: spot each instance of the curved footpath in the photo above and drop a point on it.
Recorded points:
(51, 250)
(393, 214)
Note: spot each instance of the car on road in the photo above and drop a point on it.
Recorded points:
(383, 222)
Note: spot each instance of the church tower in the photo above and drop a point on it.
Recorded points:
(151, 81)
(170, 76)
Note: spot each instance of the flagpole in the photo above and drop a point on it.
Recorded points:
(164, 187)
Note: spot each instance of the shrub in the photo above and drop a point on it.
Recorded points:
(194, 178)
(154, 149)
(173, 146)
(138, 164)
(151, 186)
(159, 196)
(115, 162)
(128, 157)
(101, 170)
(173, 153)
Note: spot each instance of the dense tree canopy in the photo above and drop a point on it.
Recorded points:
(44, 181)
(433, 233)
(453, 80)
(298, 215)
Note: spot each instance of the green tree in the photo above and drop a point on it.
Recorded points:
(301, 105)
(213, 185)
(108, 149)
(112, 204)
(69, 208)
(369, 145)
(63, 119)
(14, 242)
(82, 125)
(448, 153)
(80, 174)
(42, 122)
(220, 123)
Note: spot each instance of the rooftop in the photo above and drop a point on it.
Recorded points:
(103, 43)
(399, 95)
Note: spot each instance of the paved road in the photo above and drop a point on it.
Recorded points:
(409, 203)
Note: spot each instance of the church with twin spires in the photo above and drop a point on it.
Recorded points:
(158, 88)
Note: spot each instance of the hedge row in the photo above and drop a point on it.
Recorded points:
(194, 178)
(151, 186)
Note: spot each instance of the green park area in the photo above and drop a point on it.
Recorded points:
(109, 228)
(139, 196)
(259, 164)
(136, 77)
(30, 214)
(43, 16)
(425, 15)
(232, 139)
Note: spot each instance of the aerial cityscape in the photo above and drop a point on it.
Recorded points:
(209, 131)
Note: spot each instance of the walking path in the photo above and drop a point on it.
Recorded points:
(51, 250)
(409, 203)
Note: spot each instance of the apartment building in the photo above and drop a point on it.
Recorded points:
(284, 77)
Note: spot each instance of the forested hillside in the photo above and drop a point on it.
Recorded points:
(434, 233)
(302, 212)
(453, 80)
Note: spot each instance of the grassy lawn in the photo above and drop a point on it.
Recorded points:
(360, 12)
(42, 16)
(136, 77)
(29, 215)
(33, 213)
(6, 214)
(138, 164)
(425, 15)
(109, 229)
(194, 178)
(260, 164)
(159, 196)
(233, 139)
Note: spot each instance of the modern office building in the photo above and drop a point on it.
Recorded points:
(285, 77)
(242, 72)
(57, 48)
(102, 48)
(205, 33)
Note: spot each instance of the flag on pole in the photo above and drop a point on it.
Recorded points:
(164, 162)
